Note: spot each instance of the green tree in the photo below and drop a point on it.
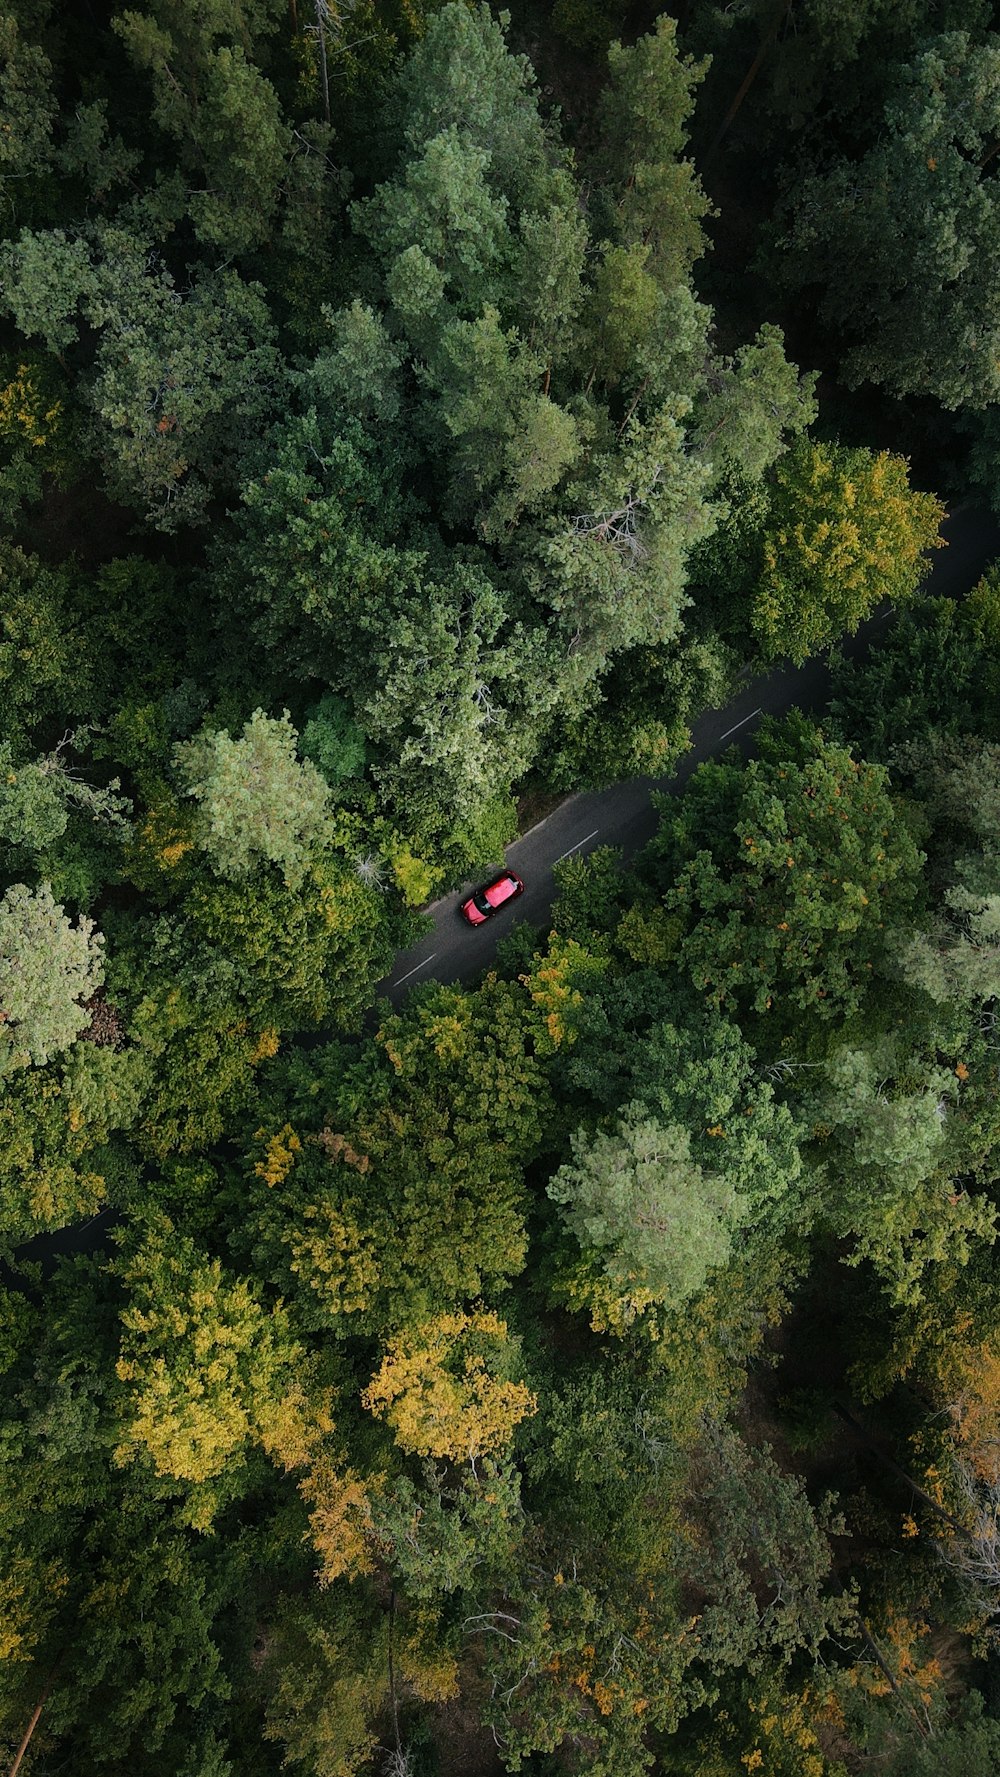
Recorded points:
(256, 800)
(332, 741)
(325, 1674)
(754, 407)
(45, 276)
(901, 240)
(787, 872)
(612, 563)
(28, 106)
(657, 196)
(226, 117)
(47, 967)
(44, 664)
(760, 1553)
(656, 1220)
(933, 670)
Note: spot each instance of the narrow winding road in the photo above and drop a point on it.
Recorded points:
(624, 816)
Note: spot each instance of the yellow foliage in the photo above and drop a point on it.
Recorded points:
(268, 1043)
(968, 1376)
(429, 1669)
(22, 1588)
(438, 1392)
(552, 987)
(279, 1156)
(291, 1425)
(583, 1286)
(335, 1255)
(26, 414)
(339, 1521)
(415, 878)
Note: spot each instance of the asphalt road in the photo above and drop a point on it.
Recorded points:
(623, 816)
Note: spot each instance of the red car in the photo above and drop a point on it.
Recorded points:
(484, 903)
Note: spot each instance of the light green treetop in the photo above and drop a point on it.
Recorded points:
(257, 802)
(656, 1219)
(47, 966)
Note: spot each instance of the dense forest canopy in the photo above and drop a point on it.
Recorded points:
(411, 414)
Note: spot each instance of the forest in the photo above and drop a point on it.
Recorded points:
(411, 415)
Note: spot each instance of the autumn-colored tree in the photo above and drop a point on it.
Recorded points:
(446, 1387)
(844, 531)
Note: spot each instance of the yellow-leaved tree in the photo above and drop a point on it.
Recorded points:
(446, 1387)
(844, 531)
(208, 1371)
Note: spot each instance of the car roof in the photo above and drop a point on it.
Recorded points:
(501, 888)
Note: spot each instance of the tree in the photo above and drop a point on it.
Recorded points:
(60, 1129)
(446, 1387)
(402, 1181)
(844, 530)
(955, 959)
(256, 800)
(45, 277)
(332, 741)
(462, 76)
(37, 799)
(611, 563)
(48, 966)
(786, 872)
(28, 105)
(512, 446)
(44, 666)
(207, 1370)
(934, 669)
(755, 406)
(654, 1219)
(657, 196)
(325, 1674)
(901, 240)
(227, 119)
(760, 1553)
(180, 376)
(182, 381)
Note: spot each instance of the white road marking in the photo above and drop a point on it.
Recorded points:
(736, 725)
(416, 966)
(578, 844)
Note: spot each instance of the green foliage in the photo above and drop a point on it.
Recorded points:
(934, 670)
(786, 873)
(256, 800)
(902, 238)
(754, 1519)
(47, 967)
(644, 111)
(354, 369)
(332, 741)
(755, 406)
(325, 1676)
(226, 117)
(654, 1219)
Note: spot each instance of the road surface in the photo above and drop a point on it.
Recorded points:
(623, 816)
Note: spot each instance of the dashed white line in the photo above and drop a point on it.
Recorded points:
(416, 966)
(737, 725)
(578, 844)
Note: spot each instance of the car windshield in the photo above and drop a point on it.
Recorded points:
(481, 904)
